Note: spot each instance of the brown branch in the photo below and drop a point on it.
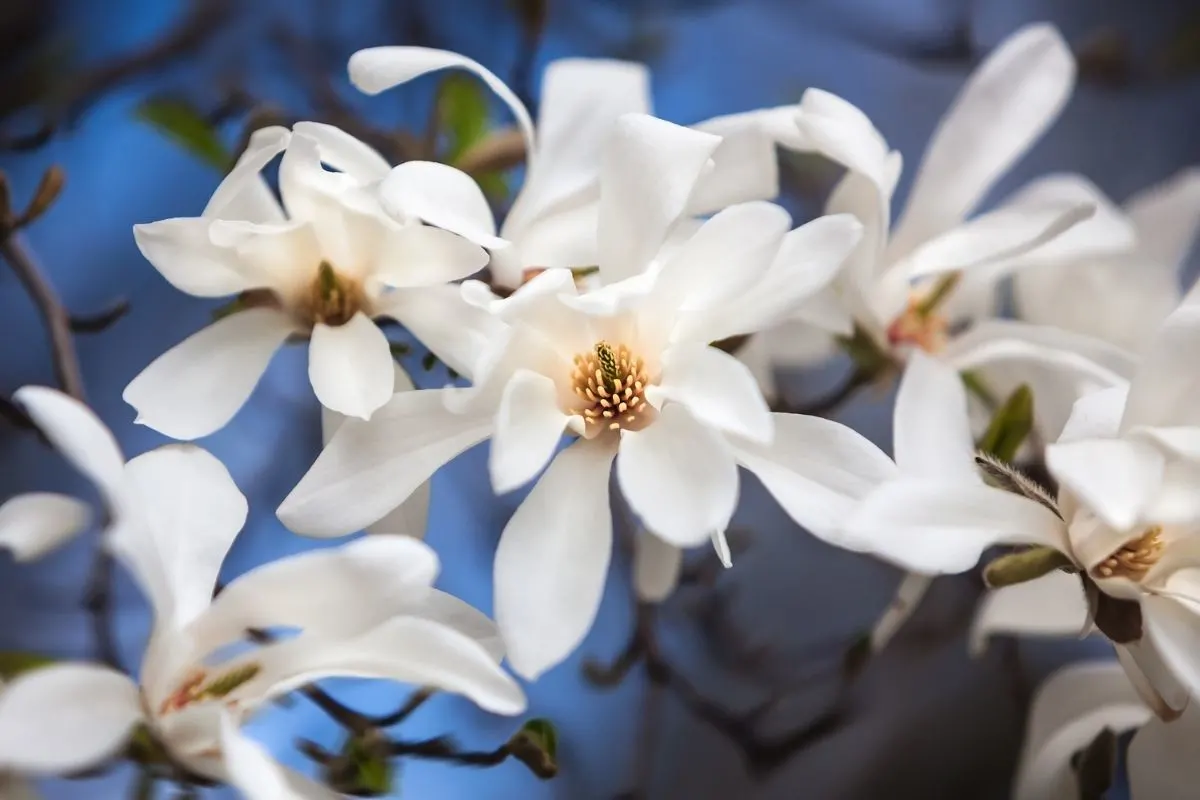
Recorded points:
(202, 19)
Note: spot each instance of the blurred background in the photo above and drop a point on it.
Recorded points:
(764, 641)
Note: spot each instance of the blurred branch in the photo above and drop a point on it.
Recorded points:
(532, 17)
(202, 19)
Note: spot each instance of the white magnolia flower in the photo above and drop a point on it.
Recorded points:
(1077, 704)
(323, 265)
(1126, 517)
(629, 370)
(175, 512)
(553, 218)
(915, 285)
(1123, 297)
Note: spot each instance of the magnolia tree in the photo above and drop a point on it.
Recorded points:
(615, 341)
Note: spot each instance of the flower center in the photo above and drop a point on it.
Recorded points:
(611, 380)
(197, 687)
(331, 299)
(1134, 559)
(920, 324)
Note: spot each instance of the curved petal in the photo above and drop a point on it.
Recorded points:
(935, 527)
(656, 566)
(33, 524)
(453, 329)
(418, 255)
(679, 477)
(838, 130)
(553, 559)
(251, 769)
(1162, 758)
(183, 252)
(377, 69)
(581, 100)
(1173, 627)
(189, 511)
(649, 169)
(369, 468)
(1164, 389)
(745, 165)
(1002, 110)
(1167, 217)
(77, 434)
(1115, 478)
(529, 426)
(197, 386)
(65, 717)
(345, 153)
(909, 593)
(446, 609)
(1096, 415)
(816, 469)
(350, 366)
(361, 585)
(717, 389)
(1153, 679)
(405, 649)
(243, 189)
(932, 430)
(1070, 709)
(1053, 605)
(439, 194)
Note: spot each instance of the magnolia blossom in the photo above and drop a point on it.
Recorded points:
(916, 285)
(1123, 297)
(1077, 704)
(323, 265)
(629, 371)
(1126, 519)
(175, 513)
(552, 222)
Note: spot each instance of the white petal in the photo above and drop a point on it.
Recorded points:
(1053, 605)
(378, 69)
(745, 165)
(679, 476)
(649, 170)
(1115, 478)
(932, 430)
(1162, 763)
(529, 426)
(842, 133)
(1152, 678)
(350, 366)
(189, 513)
(454, 330)
(717, 389)
(581, 100)
(361, 584)
(77, 434)
(1164, 389)
(183, 252)
(1070, 709)
(446, 609)
(1096, 415)
(405, 649)
(656, 567)
(1167, 217)
(1173, 627)
(33, 524)
(439, 194)
(369, 468)
(244, 186)
(727, 256)
(553, 558)
(252, 770)
(344, 152)
(197, 386)
(65, 717)
(909, 593)
(935, 527)
(816, 469)
(1004, 108)
(418, 255)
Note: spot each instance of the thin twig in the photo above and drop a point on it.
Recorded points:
(347, 717)
(414, 702)
(101, 321)
(96, 601)
(444, 748)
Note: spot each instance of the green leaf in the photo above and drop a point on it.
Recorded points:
(1025, 565)
(978, 388)
(543, 733)
(373, 771)
(184, 125)
(1010, 424)
(462, 114)
(536, 746)
(14, 663)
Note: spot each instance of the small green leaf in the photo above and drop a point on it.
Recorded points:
(373, 771)
(462, 111)
(543, 732)
(978, 388)
(1010, 424)
(14, 663)
(185, 126)
(494, 185)
(1025, 565)
(536, 746)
